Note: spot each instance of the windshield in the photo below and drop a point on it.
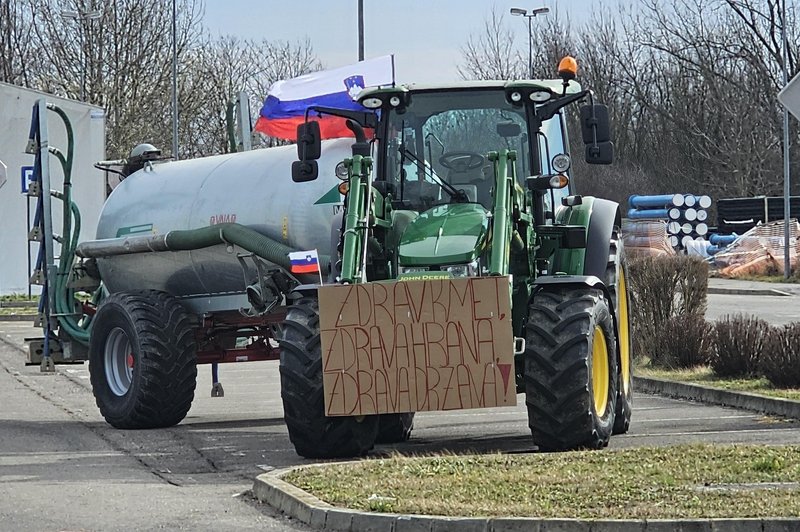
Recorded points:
(436, 149)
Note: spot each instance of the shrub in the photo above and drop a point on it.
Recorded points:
(683, 341)
(663, 288)
(780, 361)
(740, 341)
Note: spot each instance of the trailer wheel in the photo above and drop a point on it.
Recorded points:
(570, 369)
(616, 282)
(142, 360)
(395, 428)
(313, 434)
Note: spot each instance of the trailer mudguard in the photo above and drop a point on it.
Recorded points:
(599, 216)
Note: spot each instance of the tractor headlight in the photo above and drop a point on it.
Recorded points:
(463, 270)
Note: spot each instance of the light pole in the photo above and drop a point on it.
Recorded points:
(175, 80)
(360, 30)
(787, 267)
(519, 12)
(79, 16)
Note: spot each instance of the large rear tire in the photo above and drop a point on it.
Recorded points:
(142, 360)
(395, 428)
(570, 369)
(617, 285)
(313, 434)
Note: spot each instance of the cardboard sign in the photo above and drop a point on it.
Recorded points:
(412, 346)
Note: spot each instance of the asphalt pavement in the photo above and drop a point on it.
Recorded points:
(63, 468)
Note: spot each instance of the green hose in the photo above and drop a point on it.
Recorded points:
(69, 316)
(244, 237)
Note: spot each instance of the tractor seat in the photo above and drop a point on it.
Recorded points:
(474, 183)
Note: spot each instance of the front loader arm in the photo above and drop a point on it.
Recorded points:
(356, 221)
(501, 215)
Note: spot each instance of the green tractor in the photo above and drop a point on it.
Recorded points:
(460, 217)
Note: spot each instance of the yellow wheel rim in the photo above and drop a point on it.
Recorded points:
(624, 333)
(600, 371)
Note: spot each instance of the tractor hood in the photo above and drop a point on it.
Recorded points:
(445, 235)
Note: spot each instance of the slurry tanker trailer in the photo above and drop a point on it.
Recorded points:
(452, 265)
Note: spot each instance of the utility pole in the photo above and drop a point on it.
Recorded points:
(174, 81)
(787, 267)
(360, 30)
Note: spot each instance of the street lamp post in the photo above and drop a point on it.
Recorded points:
(175, 154)
(519, 12)
(360, 30)
(79, 16)
(787, 191)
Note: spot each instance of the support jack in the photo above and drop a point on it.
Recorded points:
(48, 365)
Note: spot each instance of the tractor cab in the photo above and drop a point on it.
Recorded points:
(434, 151)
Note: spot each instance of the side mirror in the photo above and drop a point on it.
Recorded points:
(309, 145)
(596, 132)
(595, 124)
(600, 153)
(303, 171)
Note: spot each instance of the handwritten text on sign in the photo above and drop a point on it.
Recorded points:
(418, 345)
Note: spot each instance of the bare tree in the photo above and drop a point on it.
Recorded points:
(16, 50)
(122, 58)
(491, 54)
(214, 72)
(691, 86)
(705, 79)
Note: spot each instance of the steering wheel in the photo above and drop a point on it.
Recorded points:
(461, 161)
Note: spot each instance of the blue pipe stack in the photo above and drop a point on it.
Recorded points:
(720, 242)
(684, 214)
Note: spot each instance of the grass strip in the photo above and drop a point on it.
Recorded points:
(688, 481)
(18, 297)
(18, 311)
(705, 376)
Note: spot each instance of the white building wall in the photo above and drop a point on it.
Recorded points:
(88, 123)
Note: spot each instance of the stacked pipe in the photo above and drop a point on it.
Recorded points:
(686, 215)
(645, 238)
(720, 242)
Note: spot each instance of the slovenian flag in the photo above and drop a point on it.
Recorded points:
(288, 100)
(304, 261)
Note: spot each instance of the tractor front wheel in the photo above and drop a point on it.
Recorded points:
(314, 434)
(617, 285)
(570, 369)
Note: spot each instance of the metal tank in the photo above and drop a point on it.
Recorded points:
(252, 188)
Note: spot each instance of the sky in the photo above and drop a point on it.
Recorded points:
(425, 36)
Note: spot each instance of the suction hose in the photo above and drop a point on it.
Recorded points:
(191, 239)
(69, 316)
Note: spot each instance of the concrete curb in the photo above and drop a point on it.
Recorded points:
(744, 400)
(301, 505)
(18, 317)
(747, 291)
